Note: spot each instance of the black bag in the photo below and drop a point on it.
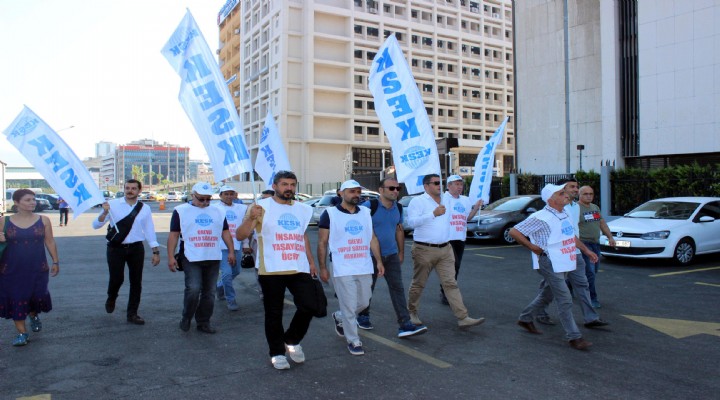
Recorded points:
(247, 261)
(116, 234)
(320, 299)
(179, 256)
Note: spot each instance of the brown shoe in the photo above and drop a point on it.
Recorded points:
(580, 344)
(135, 319)
(530, 327)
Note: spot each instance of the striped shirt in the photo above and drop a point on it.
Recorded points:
(537, 230)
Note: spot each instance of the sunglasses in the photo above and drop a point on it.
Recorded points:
(391, 188)
(203, 199)
(436, 183)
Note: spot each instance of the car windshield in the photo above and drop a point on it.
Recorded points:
(509, 204)
(326, 200)
(405, 201)
(664, 210)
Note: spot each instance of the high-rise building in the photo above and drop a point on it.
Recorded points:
(308, 64)
(152, 161)
(229, 49)
(630, 82)
(104, 149)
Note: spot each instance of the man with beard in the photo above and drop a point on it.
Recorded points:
(130, 223)
(347, 230)
(285, 261)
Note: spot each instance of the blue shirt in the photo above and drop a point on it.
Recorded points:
(385, 222)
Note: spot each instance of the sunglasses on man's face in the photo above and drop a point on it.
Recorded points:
(436, 183)
(203, 199)
(391, 188)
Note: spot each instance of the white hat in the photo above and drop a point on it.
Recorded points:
(203, 188)
(227, 188)
(350, 185)
(453, 178)
(550, 190)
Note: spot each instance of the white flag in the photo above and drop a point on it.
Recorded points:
(480, 187)
(207, 101)
(402, 114)
(271, 156)
(55, 161)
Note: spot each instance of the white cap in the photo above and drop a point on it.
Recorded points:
(453, 178)
(350, 185)
(227, 188)
(550, 190)
(203, 188)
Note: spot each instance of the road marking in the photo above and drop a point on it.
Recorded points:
(496, 247)
(38, 397)
(401, 348)
(678, 328)
(489, 256)
(707, 284)
(684, 272)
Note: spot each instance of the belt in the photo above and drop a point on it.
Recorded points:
(431, 244)
(125, 245)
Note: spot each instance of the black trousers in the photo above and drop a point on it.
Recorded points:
(302, 288)
(64, 215)
(133, 255)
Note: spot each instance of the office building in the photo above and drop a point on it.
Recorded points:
(308, 63)
(152, 161)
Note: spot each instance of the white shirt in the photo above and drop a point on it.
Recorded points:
(428, 227)
(142, 228)
(459, 209)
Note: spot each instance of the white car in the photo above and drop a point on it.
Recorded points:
(674, 227)
(173, 196)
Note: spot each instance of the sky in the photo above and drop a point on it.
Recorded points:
(96, 65)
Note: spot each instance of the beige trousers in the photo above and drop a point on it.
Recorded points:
(425, 259)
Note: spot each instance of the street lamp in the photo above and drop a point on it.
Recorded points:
(580, 148)
(450, 155)
(347, 166)
(382, 155)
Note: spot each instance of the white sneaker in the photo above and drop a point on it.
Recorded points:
(415, 319)
(296, 353)
(280, 362)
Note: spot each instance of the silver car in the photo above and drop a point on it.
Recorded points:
(496, 220)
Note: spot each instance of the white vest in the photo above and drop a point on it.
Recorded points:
(573, 211)
(233, 215)
(201, 230)
(459, 209)
(560, 244)
(350, 236)
(283, 235)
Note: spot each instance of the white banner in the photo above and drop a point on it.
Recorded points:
(402, 114)
(480, 187)
(207, 101)
(271, 156)
(54, 160)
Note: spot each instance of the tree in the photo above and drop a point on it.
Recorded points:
(137, 172)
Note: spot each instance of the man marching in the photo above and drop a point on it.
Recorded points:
(348, 230)
(234, 213)
(284, 261)
(131, 223)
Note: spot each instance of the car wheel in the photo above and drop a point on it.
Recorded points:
(506, 235)
(684, 251)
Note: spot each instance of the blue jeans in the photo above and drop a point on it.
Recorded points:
(592, 269)
(200, 281)
(228, 273)
(555, 287)
(393, 277)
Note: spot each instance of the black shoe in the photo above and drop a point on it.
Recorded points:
(110, 305)
(185, 324)
(135, 319)
(597, 323)
(206, 329)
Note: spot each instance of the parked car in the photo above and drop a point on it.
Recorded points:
(52, 198)
(302, 197)
(173, 196)
(405, 201)
(185, 197)
(326, 201)
(496, 220)
(119, 195)
(160, 197)
(40, 205)
(312, 202)
(673, 227)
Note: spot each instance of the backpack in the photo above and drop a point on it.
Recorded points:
(374, 203)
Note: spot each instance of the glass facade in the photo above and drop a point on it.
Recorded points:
(154, 163)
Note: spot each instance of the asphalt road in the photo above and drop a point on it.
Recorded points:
(663, 340)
